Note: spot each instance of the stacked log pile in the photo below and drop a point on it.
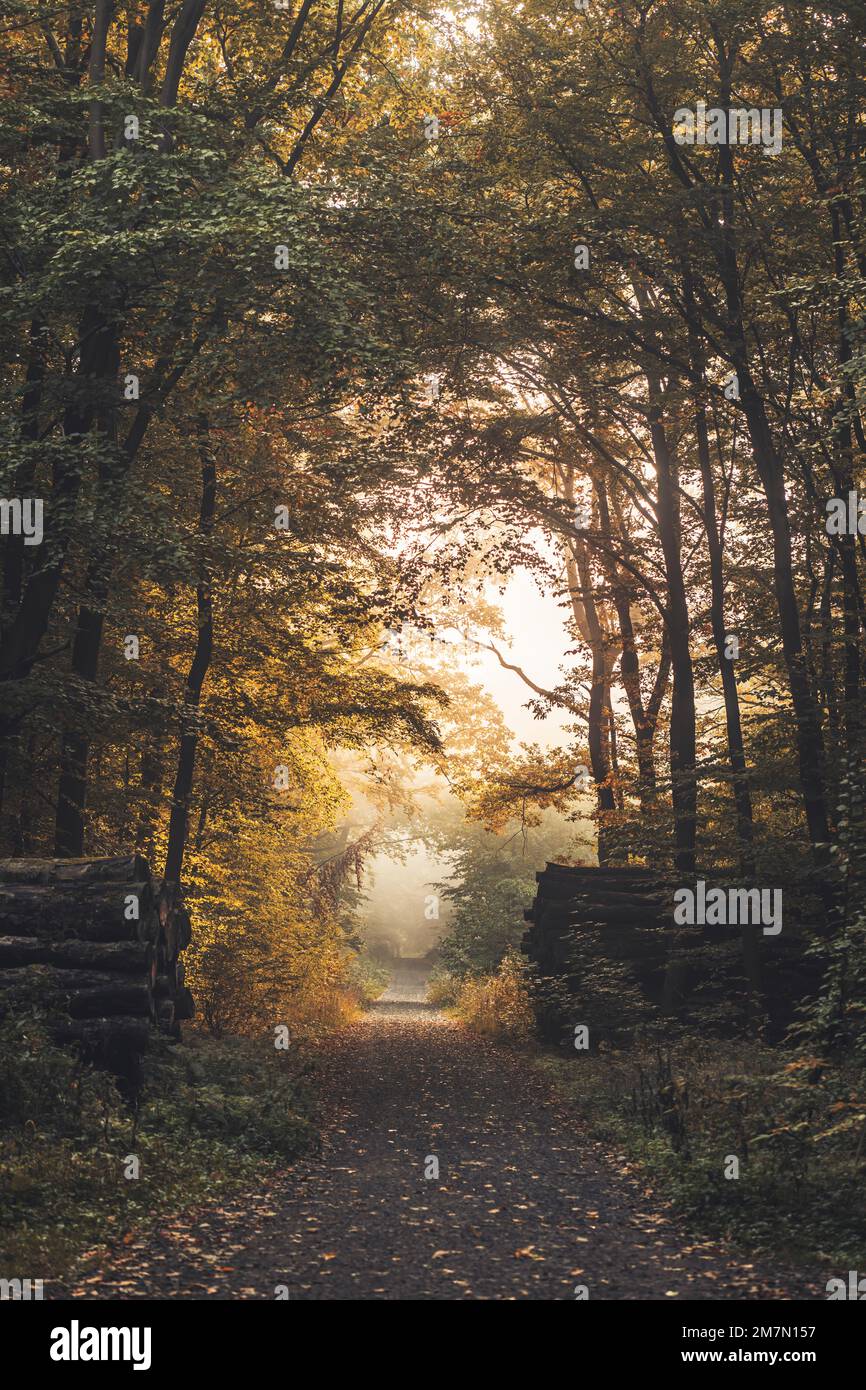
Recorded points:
(606, 953)
(584, 916)
(96, 944)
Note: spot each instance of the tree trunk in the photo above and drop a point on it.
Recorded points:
(83, 994)
(179, 820)
(683, 714)
(128, 957)
(588, 622)
(644, 719)
(99, 912)
(733, 723)
(771, 472)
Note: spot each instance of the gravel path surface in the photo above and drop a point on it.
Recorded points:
(524, 1206)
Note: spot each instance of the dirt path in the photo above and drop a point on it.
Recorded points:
(523, 1207)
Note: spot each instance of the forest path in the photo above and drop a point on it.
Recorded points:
(524, 1205)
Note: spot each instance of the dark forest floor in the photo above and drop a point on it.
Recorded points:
(525, 1206)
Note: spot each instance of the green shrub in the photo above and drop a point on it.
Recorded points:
(213, 1115)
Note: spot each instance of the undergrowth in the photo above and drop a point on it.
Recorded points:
(749, 1146)
(213, 1114)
